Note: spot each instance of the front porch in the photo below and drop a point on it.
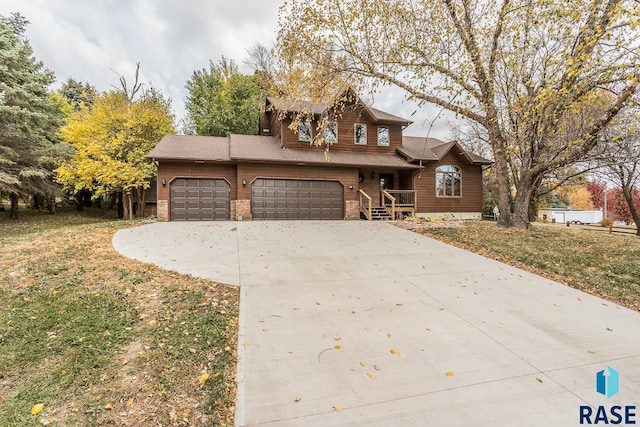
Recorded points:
(386, 194)
(395, 204)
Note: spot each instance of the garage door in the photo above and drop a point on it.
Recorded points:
(199, 199)
(296, 199)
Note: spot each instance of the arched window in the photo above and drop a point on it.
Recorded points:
(448, 181)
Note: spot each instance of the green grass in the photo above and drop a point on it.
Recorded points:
(103, 340)
(603, 264)
(31, 221)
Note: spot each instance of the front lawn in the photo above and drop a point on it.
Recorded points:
(603, 264)
(99, 339)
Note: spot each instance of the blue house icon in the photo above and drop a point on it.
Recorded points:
(608, 382)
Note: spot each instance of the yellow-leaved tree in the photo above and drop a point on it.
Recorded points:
(111, 139)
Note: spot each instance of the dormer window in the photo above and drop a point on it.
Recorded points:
(360, 134)
(304, 132)
(383, 136)
(331, 133)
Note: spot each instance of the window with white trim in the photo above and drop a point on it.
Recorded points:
(448, 181)
(383, 136)
(304, 132)
(360, 133)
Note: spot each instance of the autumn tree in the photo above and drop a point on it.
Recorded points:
(29, 118)
(518, 68)
(620, 159)
(223, 101)
(111, 141)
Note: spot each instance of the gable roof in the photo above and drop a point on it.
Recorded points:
(191, 147)
(295, 106)
(431, 149)
(254, 148)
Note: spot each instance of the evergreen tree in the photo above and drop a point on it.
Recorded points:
(29, 118)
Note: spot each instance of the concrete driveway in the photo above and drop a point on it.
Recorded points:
(363, 323)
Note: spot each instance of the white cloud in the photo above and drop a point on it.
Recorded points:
(86, 40)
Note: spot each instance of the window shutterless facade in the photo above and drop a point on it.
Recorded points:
(360, 134)
(448, 181)
(331, 133)
(383, 136)
(304, 132)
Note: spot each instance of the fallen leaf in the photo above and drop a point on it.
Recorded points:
(389, 334)
(37, 408)
(203, 378)
(393, 351)
(399, 304)
(337, 408)
(362, 364)
(337, 338)
(297, 399)
(337, 347)
(108, 406)
(369, 374)
(539, 379)
(449, 373)
(591, 352)
(376, 367)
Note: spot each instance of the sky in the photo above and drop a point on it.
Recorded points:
(93, 40)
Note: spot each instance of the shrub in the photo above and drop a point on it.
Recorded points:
(606, 222)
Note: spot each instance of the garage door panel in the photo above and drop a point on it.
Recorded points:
(296, 199)
(199, 199)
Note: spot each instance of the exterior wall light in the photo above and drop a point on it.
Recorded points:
(164, 182)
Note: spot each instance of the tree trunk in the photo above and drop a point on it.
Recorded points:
(504, 186)
(522, 202)
(142, 198)
(14, 206)
(120, 205)
(128, 205)
(51, 203)
(79, 203)
(627, 192)
(37, 201)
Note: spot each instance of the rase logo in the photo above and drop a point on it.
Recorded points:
(608, 384)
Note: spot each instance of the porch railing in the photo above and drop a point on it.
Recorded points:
(389, 203)
(365, 204)
(403, 201)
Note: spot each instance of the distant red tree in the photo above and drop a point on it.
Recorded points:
(619, 208)
(597, 193)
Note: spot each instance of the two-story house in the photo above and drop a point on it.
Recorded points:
(370, 170)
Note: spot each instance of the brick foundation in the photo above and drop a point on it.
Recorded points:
(242, 210)
(352, 209)
(163, 210)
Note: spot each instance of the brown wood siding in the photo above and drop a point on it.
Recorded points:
(170, 170)
(250, 171)
(471, 199)
(346, 142)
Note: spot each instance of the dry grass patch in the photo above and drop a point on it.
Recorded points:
(100, 339)
(602, 264)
